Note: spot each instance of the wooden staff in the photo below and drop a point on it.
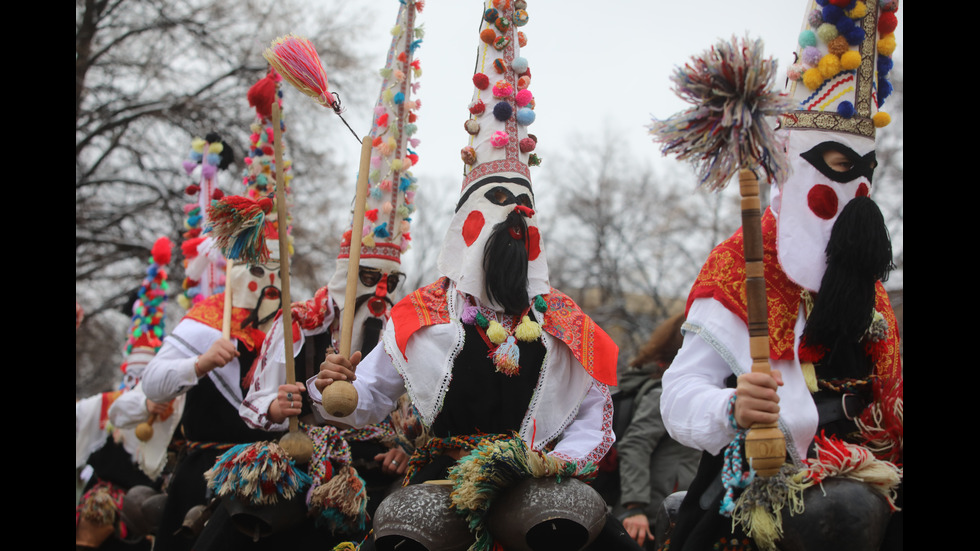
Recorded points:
(296, 443)
(226, 316)
(765, 445)
(340, 398)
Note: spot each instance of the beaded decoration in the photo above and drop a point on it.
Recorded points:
(732, 474)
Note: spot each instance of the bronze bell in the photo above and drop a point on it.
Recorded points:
(194, 521)
(840, 514)
(418, 518)
(539, 514)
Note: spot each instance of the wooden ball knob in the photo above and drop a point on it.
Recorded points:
(144, 431)
(340, 399)
(298, 445)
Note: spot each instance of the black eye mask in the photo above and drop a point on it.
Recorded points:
(863, 166)
(500, 195)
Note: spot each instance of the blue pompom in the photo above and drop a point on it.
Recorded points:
(885, 65)
(382, 231)
(854, 36)
(404, 183)
(415, 45)
(399, 98)
(519, 65)
(845, 109)
(195, 156)
(525, 116)
(214, 159)
(832, 14)
(884, 90)
(502, 111)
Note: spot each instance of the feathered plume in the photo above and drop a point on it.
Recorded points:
(729, 86)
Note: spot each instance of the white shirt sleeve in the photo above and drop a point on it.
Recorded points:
(589, 437)
(695, 399)
(171, 372)
(129, 409)
(378, 387)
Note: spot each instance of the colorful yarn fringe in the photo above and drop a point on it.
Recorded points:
(338, 497)
(759, 508)
(730, 88)
(259, 473)
(100, 504)
(238, 226)
(495, 465)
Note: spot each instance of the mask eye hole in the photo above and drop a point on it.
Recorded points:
(500, 196)
(257, 271)
(369, 276)
(393, 279)
(837, 161)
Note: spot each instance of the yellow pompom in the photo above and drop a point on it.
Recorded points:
(368, 240)
(829, 65)
(850, 60)
(528, 330)
(886, 45)
(396, 164)
(396, 30)
(184, 302)
(197, 144)
(881, 119)
(387, 96)
(216, 147)
(813, 79)
(496, 332)
(860, 10)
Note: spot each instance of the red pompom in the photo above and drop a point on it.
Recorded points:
(265, 204)
(481, 81)
(192, 189)
(887, 22)
(261, 95)
(217, 194)
(189, 247)
(161, 251)
(477, 107)
(412, 116)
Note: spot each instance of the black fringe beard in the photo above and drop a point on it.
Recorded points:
(505, 265)
(859, 253)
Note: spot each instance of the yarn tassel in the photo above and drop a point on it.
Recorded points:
(238, 225)
(296, 60)
(528, 330)
(259, 473)
(496, 332)
(342, 502)
(507, 357)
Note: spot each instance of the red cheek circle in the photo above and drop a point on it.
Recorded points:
(533, 243)
(862, 190)
(472, 227)
(253, 286)
(822, 201)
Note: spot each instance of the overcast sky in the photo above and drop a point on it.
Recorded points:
(594, 65)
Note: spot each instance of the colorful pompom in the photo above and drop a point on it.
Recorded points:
(523, 97)
(499, 66)
(838, 46)
(812, 78)
(887, 23)
(502, 111)
(507, 357)
(829, 66)
(472, 127)
(850, 60)
(881, 119)
(525, 116)
(477, 107)
(811, 56)
(520, 17)
(502, 89)
(521, 39)
(481, 81)
(487, 35)
(499, 139)
(845, 109)
(519, 65)
(468, 154)
(886, 45)
(527, 145)
(807, 38)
